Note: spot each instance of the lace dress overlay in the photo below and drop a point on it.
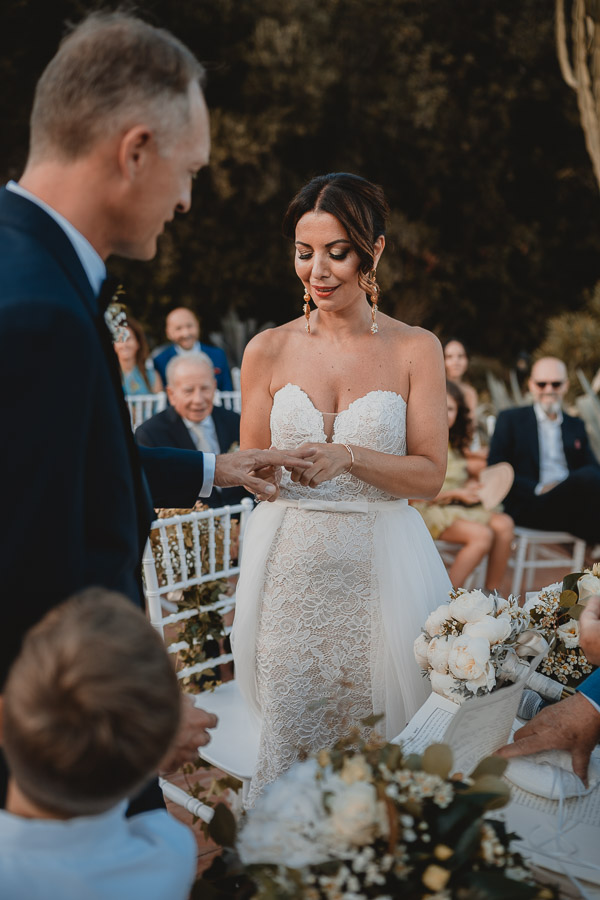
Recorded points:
(321, 641)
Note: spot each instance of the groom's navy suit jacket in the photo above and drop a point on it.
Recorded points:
(515, 440)
(77, 493)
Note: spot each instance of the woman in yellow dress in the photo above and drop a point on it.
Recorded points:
(457, 514)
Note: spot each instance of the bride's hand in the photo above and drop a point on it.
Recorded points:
(327, 462)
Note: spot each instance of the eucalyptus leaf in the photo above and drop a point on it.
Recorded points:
(570, 581)
(568, 598)
(413, 762)
(575, 611)
(437, 760)
(222, 827)
(491, 765)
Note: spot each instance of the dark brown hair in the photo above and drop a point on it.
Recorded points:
(461, 433)
(112, 69)
(142, 353)
(356, 203)
(91, 705)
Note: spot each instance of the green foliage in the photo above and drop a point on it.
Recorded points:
(575, 338)
(457, 109)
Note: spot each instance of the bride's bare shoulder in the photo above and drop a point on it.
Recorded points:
(413, 338)
(270, 343)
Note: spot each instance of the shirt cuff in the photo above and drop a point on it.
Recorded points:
(538, 489)
(209, 460)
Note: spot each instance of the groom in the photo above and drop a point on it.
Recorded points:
(119, 128)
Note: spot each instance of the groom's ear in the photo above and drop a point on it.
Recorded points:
(136, 148)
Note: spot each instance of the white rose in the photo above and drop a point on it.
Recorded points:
(436, 619)
(354, 813)
(438, 650)
(446, 685)
(471, 606)
(420, 650)
(486, 680)
(469, 657)
(494, 630)
(588, 586)
(569, 633)
(355, 768)
(288, 824)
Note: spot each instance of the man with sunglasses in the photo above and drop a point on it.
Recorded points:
(557, 476)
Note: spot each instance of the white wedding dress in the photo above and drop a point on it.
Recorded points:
(336, 583)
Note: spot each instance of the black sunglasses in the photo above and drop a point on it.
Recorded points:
(554, 384)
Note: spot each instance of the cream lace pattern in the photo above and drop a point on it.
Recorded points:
(320, 645)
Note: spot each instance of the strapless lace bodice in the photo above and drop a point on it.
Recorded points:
(376, 421)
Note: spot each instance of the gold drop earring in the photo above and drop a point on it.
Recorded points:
(307, 310)
(374, 302)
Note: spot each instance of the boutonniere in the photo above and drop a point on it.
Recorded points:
(577, 444)
(115, 317)
(234, 447)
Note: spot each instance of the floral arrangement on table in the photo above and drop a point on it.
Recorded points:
(555, 612)
(364, 821)
(465, 645)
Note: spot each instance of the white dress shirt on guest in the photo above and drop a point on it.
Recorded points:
(553, 463)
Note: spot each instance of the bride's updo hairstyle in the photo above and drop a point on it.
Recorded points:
(356, 203)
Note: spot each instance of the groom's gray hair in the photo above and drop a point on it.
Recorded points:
(112, 72)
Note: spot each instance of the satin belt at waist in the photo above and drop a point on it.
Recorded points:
(342, 506)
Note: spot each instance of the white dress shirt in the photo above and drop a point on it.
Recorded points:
(95, 270)
(553, 463)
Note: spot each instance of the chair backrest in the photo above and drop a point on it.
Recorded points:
(192, 549)
(229, 399)
(236, 378)
(144, 406)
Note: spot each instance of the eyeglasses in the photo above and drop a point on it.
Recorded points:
(554, 384)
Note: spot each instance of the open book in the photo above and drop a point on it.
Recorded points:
(561, 836)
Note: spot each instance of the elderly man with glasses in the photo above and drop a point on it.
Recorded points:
(557, 476)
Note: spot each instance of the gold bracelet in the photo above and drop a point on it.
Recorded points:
(349, 449)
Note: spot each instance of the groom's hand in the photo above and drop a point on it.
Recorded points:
(573, 725)
(244, 467)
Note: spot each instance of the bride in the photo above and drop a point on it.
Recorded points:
(339, 573)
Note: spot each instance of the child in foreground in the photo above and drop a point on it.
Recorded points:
(90, 708)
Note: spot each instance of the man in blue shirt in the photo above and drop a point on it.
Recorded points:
(183, 329)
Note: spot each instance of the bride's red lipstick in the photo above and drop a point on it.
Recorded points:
(322, 291)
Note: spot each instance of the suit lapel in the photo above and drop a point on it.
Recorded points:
(532, 438)
(179, 432)
(23, 215)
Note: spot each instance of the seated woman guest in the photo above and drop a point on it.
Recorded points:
(457, 514)
(137, 369)
(457, 363)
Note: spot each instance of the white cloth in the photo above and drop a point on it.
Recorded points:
(336, 583)
(553, 463)
(104, 857)
(89, 258)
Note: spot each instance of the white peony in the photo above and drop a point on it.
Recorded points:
(420, 650)
(446, 685)
(471, 606)
(569, 633)
(436, 619)
(588, 586)
(486, 680)
(469, 657)
(494, 630)
(438, 650)
(288, 824)
(354, 813)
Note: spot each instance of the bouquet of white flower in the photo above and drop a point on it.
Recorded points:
(364, 821)
(555, 611)
(465, 643)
